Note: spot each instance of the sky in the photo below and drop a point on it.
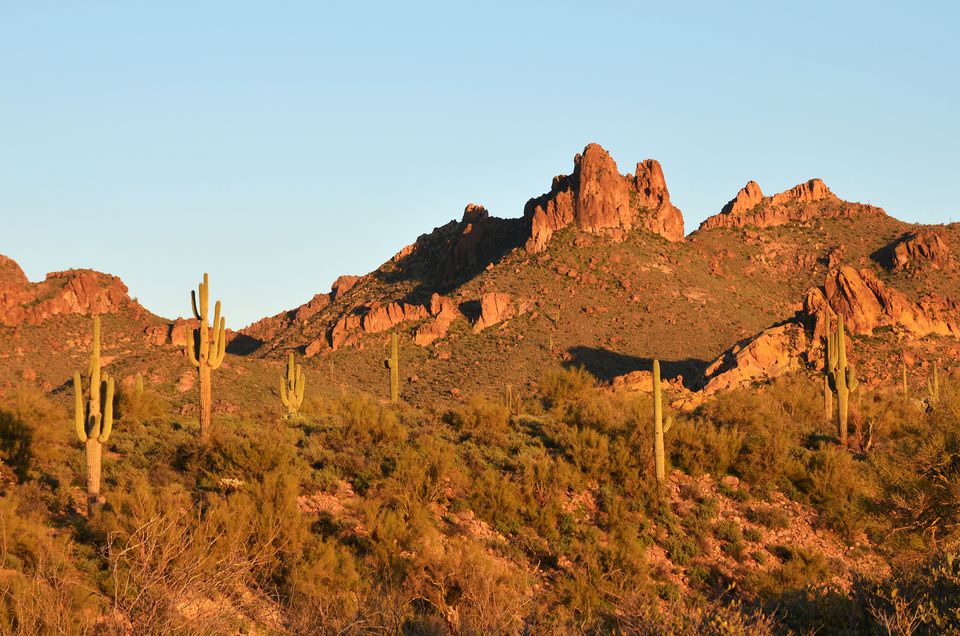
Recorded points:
(277, 145)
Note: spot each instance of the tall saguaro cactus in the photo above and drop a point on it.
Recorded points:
(829, 353)
(659, 427)
(291, 387)
(93, 417)
(212, 347)
(393, 363)
(933, 382)
(843, 379)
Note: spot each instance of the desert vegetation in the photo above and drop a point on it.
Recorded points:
(561, 511)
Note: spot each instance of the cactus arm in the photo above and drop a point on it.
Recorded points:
(215, 334)
(852, 383)
(668, 424)
(191, 352)
(79, 416)
(193, 304)
(216, 356)
(283, 393)
(205, 297)
(107, 413)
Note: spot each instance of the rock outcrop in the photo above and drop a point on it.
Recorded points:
(444, 311)
(772, 353)
(596, 198)
(383, 317)
(495, 307)
(76, 291)
(866, 303)
(803, 202)
(462, 254)
(923, 249)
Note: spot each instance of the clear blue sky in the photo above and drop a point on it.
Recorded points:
(279, 144)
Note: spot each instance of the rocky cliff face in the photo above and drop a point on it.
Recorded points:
(76, 291)
(803, 202)
(923, 249)
(596, 198)
(864, 301)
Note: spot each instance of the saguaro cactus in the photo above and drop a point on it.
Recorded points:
(659, 427)
(829, 354)
(393, 363)
(843, 379)
(512, 401)
(93, 417)
(903, 378)
(138, 387)
(291, 387)
(933, 382)
(212, 347)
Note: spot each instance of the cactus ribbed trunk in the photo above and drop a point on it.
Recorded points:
(659, 429)
(206, 401)
(393, 363)
(827, 400)
(94, 451)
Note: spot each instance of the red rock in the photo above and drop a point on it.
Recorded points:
(597, 199)
(342, 328)
(770, 354)
(382, 317)
(444, 311)
(922, 249)
(804, 202)
(494, 307)
(77, 291)
(342, 285)
(156, 334)
(315, 347)
(866, 302)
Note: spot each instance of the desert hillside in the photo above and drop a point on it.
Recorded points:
(475, 437)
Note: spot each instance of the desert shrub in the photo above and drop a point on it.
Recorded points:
(16, 444)
(921, 598)
(559, 387)
(131, 409)
(41, 590)
(589, 450)
(496, 499)
(834, 489)
(769, 516)
(484, 421)
(703, 447)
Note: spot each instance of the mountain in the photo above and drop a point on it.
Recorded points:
(597, 272)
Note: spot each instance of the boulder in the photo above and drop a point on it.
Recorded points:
(495, 307)
(924, 249)
(770, 354)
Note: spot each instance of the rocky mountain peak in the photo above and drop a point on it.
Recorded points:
(803, 202)
(596, 198)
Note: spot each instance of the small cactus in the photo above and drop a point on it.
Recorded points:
(212, 347)
(393, 363)
(138, 387)
(659, 427)
(291, 387)
(93, 418)
(933, 382)
(903, 378)
(843, 379)
(512, 401)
